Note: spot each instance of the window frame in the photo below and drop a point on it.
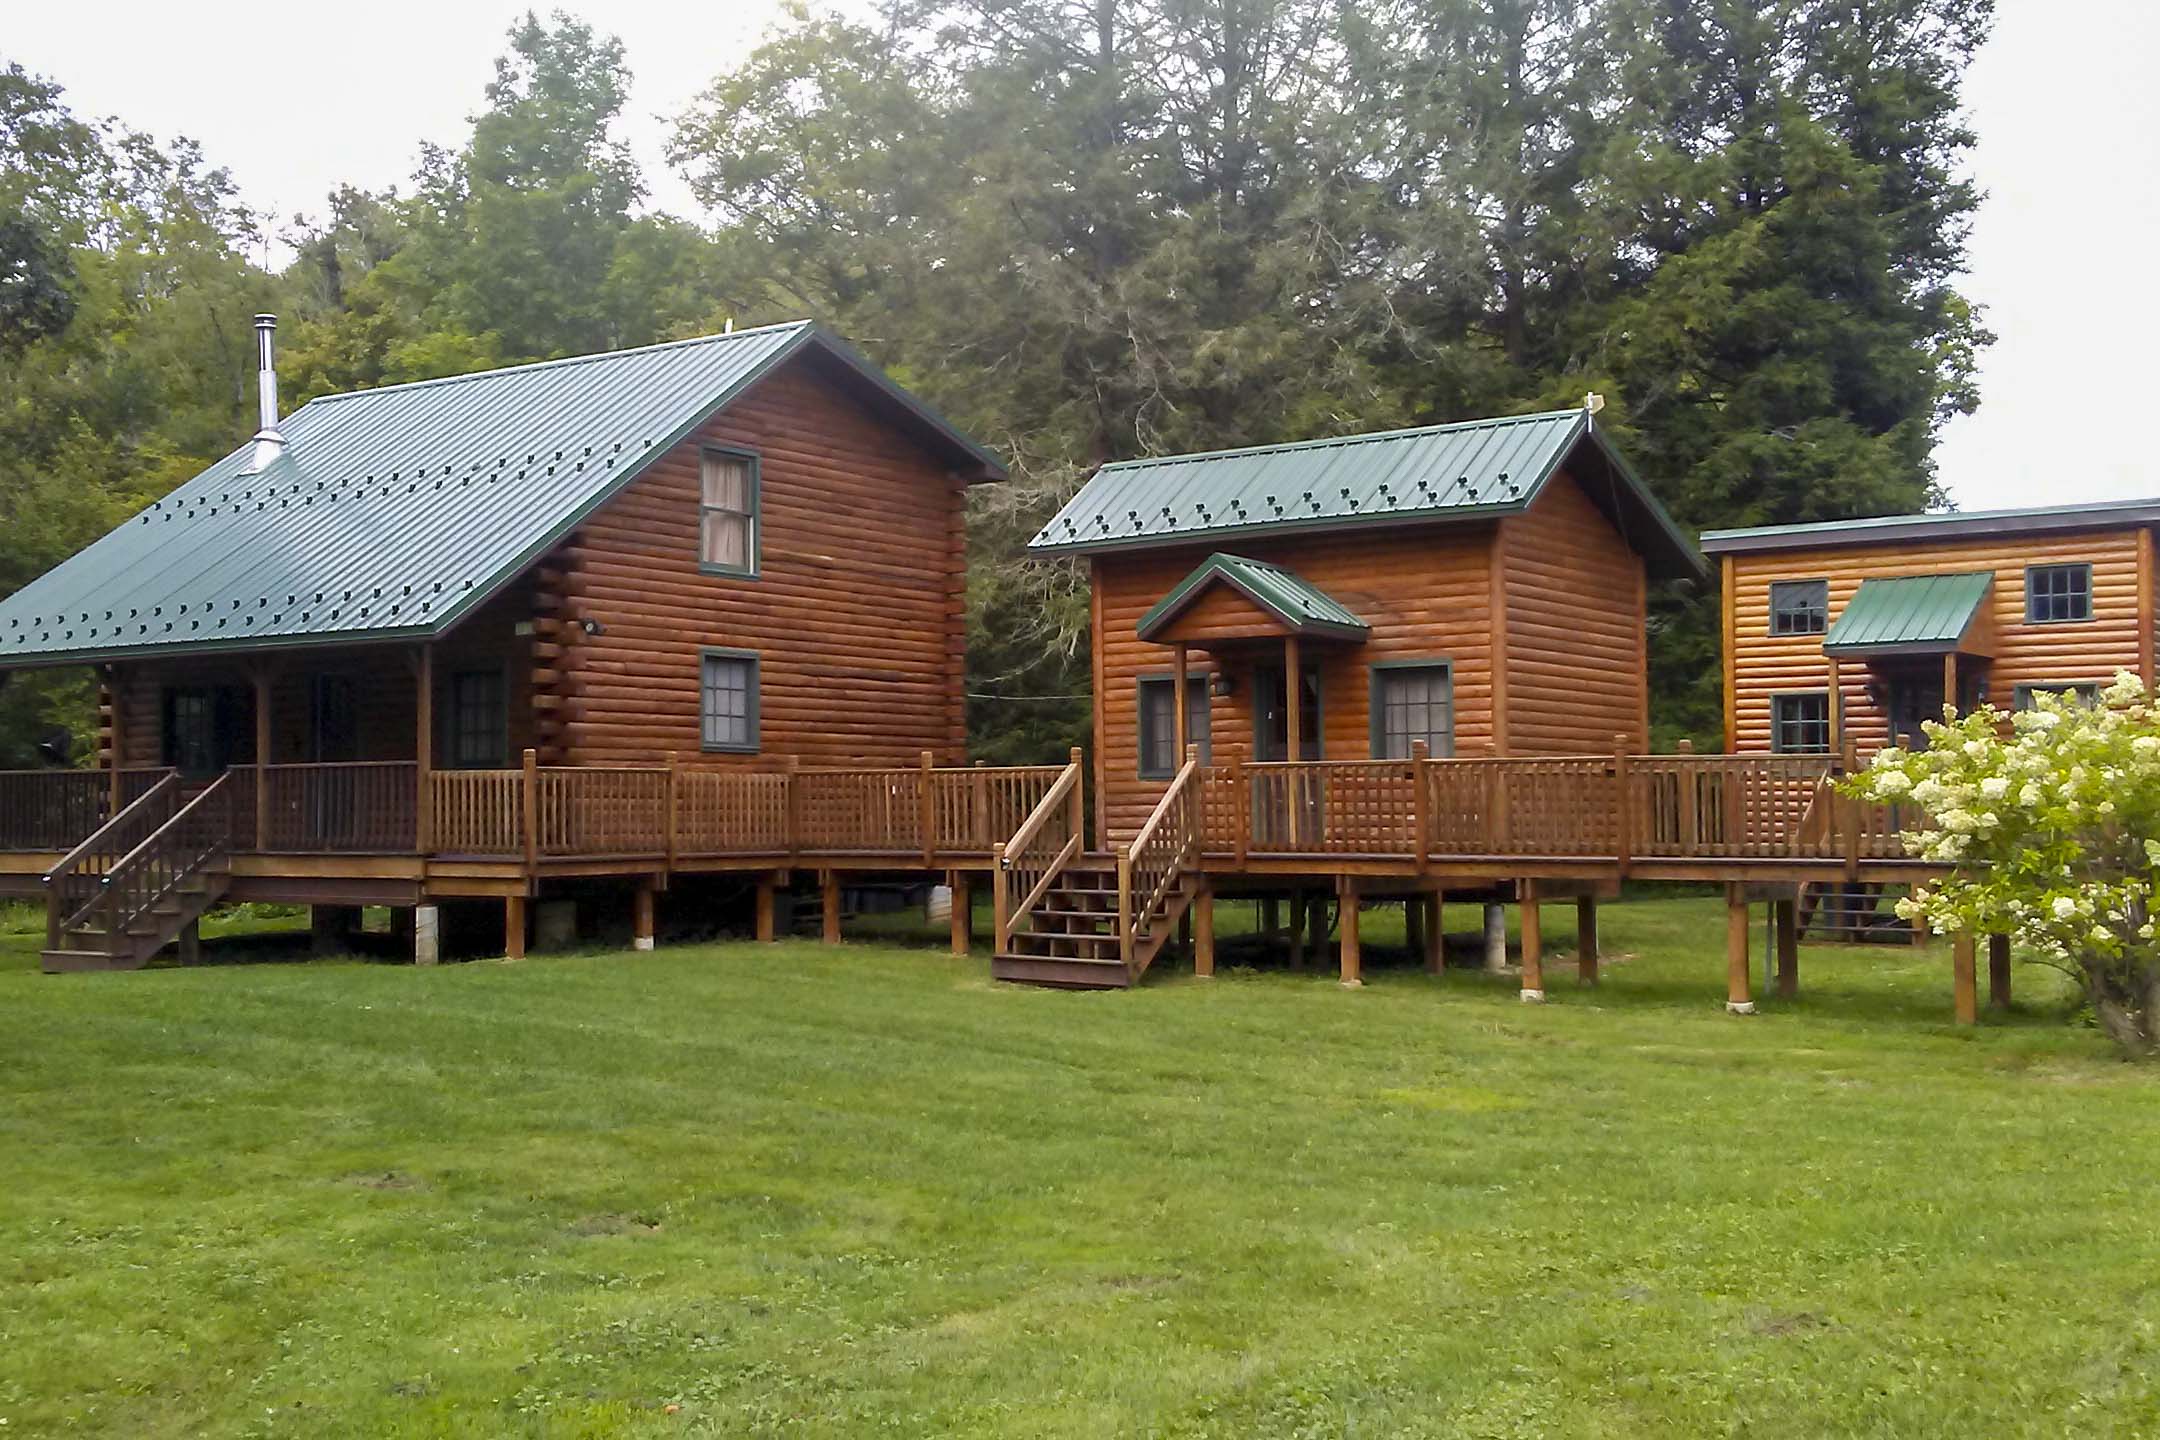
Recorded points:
(1379, 672)
(753, 708)
(1821, 586)
(2081, 567)
(222, 743)
(2021, 696)
(1777, 747)
(754, 515)
(447, 740)
(1199, 693)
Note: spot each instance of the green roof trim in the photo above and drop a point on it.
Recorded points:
(393, 512)
(1909, 614)
(1469, 471)
(1303, 607)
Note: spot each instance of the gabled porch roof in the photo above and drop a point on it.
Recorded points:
(1294, 603)
(1914, 615)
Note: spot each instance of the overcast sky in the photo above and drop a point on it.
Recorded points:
(2061, 97)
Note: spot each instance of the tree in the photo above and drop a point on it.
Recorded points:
(2050, 838)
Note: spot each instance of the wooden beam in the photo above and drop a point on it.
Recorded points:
(1737, 999)
(424, 750)
(1293, 728)
(1837, 705)
(829, 894)
(1998, 972)
(1435, 935)
(1353, 966)
(1963, 980)
(641, 916)
(1203, 913)
(514, 927)
(766, 886)
(963, 900)
(1586, 939)
(1533, 941)
(1786, 914)
(1177, 700)
(1950, 683)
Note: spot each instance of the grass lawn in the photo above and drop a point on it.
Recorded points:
(744, 1190)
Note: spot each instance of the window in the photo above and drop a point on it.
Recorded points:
(2056, 593)
(728, 703)
(1412, 703)
(479, 719)
(1800, 724)
(727, 513)
(1159, 758)
(1271, 713)
(202, 728)
(2085, 692)
(1799, 607)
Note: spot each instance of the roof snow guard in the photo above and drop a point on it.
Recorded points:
(1302, 607)
(393, 512)
(1473, 470)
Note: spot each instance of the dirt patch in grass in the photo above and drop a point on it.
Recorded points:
(614, 1223)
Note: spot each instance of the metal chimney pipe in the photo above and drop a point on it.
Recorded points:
(269, 440)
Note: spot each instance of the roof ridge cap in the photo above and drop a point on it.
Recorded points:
(567, 360)
(1322, 441)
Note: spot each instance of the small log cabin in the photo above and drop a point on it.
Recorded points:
(732, 556)
(1852, 633)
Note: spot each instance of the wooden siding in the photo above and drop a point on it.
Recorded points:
(1759, 665)
(1576, 673)
(1425, 592)
(1219, 614)
(856, 614)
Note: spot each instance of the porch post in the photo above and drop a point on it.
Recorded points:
(1435, 937)
(1737, 999)
(641, 917)
(829, 886)
(115, 738)
(261, 677)
(1837, 707)
(963, 913)
(1533, 942)
(766, 885)
(1353, 968)
(1177, 701)
(514, 927)
(424, 752)
(1293, 725)
(1586, 939)
(1787, 915)
(1950, 683)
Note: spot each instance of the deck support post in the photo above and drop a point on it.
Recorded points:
(1270, 919)
(1203, 918)
(1533, 942)
(1586, 939)
(1964, 981)
(427, 934)
(191, 943)
(1786, 917)
(514, 927)
(1435, 956)
(1737, 999)
(767, 885)
(1297, 929)
(641, 916)
(963, 911)
(1998, 972)
(829, 893)
(1495, 938)
(1316, 925)
(1413, 920)
(1352, 959)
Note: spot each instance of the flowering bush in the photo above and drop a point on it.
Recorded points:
(2052, 833)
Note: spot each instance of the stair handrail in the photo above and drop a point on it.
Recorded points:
(66, 884)
(1062, 798)
(151, 850)
(1176, 808)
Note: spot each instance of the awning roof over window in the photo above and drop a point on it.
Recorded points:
(1911, 615)
(1302, 607)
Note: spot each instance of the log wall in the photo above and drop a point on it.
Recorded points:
(1577, 673)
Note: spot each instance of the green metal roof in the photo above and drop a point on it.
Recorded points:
(392, 512)
(1301, 605)
(1941, 525)
(1909, 613)
(1474, 470)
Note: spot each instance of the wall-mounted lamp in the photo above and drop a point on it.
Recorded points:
(592, 627)
(1220, 685)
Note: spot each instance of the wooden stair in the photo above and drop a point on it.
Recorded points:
(115, 911)
(1852, 912)
(1073, 942)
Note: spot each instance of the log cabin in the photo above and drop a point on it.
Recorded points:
(1849, 635)
(696, 604)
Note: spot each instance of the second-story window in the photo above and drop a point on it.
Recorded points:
(1799, 607)
(728, 513)
(2056, 593)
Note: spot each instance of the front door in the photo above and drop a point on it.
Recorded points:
(328, 802)
(1286, 805)
(1271, 714)
(1915, 696)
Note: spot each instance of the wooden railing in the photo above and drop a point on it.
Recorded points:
(476, 812)
(1153, 861)
(1727, 806)
(196, 835)
(70, 884)
(363, 807)
(600, 812)
(55, 809)
(1024, 867)
(731, 812)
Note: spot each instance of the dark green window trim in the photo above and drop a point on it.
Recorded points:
(755, 514)
(752, 718)
(1779, 722)
(1199, 706)
(1799, 607)
(1376, 726)
(2087, 691)
(2077, 596)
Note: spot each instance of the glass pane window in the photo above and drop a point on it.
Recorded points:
(727, 708)
(193, 742)
(1159, 757)
(2085, 692)
(1413, 703)
(1800, 724)
(2055, 593)
(727, 512)
(479, 720)
(1799, 607)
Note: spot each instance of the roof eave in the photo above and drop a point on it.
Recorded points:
(1889, 529)
(1263, 529)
